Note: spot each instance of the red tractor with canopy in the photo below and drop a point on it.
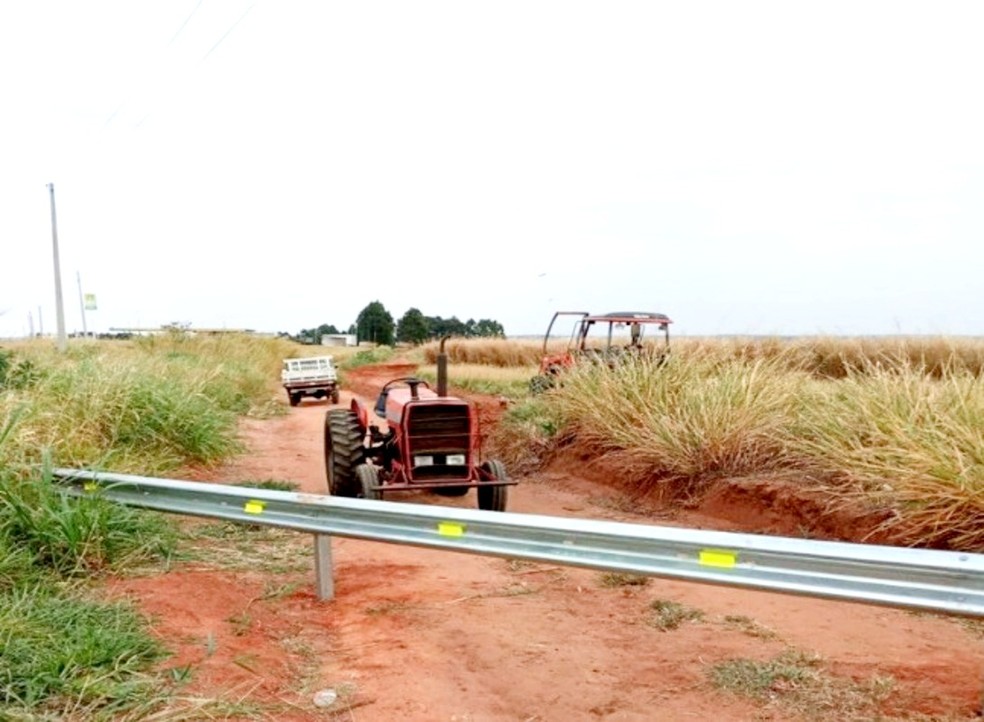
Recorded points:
(603, 338)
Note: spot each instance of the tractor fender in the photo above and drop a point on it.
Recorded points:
(361, 414)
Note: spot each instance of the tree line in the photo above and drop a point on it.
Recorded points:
(375, 324)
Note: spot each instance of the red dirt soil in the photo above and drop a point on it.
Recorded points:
(417, 634)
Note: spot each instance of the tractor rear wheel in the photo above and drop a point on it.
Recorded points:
(368, 479)
(343, 451)
(493, 498)
(295, 399)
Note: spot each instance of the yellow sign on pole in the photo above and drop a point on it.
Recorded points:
(90, 302)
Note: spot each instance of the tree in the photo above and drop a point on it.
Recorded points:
(488, 327)
(313, 335)
(375, 324)
(413, 327)
(446, 327)
(453, 327)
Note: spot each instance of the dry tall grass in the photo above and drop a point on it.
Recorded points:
(890, 422)
(485, 351)
(838, 357)
(675, 426)
(821, 356)
(891, 426)
(897, 438)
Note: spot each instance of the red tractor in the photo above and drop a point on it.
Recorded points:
(605, 338)
(431, 441)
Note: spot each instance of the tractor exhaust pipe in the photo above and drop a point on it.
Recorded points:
(442, 369)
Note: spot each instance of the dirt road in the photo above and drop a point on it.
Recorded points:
(429, 635)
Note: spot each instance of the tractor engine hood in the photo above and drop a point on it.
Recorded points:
(397, 400)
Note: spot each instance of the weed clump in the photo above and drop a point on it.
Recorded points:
(667, 615)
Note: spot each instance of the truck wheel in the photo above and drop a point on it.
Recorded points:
(368, 479)
(334, 396)
(493, 498)
(343, 451)
(295, 399)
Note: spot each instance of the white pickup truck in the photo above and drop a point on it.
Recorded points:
(313, 376)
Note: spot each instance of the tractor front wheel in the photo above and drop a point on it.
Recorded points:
(368, 479)
(334, 396)
(343, 451)
(493, 498)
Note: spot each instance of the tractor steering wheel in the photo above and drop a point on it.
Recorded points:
(412, 381)
(408, 380)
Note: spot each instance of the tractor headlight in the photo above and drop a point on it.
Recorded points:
(456, 459)
(423, 461)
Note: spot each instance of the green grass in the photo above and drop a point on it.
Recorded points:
(58, 648)
(366, 356)
(797, 681)
(64, 651)
(528, 434)
(150, 406)
(271, 484)
(73, 537)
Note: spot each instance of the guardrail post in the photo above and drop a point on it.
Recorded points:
(324, 582)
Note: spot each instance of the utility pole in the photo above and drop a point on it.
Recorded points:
(59, 305)
(85, 331)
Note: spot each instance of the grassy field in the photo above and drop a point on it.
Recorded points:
(895, 424)
(890, 424)
(144, 406)
(821, 356)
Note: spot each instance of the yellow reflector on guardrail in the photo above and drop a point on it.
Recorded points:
(717, 558)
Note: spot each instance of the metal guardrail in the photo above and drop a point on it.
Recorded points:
(924, 579)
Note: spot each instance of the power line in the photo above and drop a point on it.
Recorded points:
(227, 34)
(174, 37)
(169, 44)
(187, 20)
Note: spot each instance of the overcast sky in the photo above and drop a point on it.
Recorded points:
(744, 167)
